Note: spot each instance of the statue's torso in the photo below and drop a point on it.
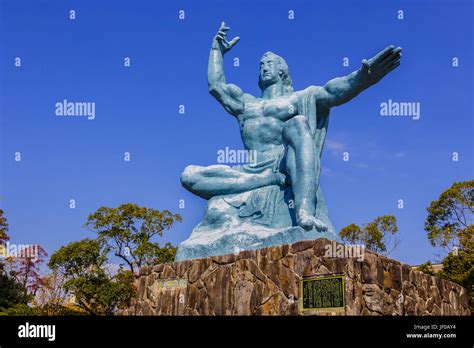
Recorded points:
(261, 123)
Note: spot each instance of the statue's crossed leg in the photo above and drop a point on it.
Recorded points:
(217, 180)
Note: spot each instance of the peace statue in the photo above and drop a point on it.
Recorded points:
(277, 198)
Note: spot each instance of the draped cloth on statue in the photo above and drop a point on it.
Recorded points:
(318, 121)
(258, 204)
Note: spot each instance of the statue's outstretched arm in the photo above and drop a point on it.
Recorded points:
(342, 89)
(229, 95)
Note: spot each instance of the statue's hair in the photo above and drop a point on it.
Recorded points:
(283, 67)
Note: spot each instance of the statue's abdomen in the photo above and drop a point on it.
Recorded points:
(262, 133)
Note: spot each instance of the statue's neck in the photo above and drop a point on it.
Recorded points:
(273, 91)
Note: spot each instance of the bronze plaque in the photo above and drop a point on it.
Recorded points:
(324, 292)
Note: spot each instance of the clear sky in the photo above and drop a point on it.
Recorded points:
(82, 60)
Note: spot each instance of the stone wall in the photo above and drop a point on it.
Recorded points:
(267, 282)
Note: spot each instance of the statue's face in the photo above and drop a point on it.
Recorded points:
(269, 71)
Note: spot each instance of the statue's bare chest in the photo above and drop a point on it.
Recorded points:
(281, 108)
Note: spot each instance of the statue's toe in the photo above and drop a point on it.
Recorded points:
(319, 224)
(308, 222)
(281, 179)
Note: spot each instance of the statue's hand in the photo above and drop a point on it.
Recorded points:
(380, 65)
(220, 42)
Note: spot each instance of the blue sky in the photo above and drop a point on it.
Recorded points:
(391, 158)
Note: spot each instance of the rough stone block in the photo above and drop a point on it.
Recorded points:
(268, 282)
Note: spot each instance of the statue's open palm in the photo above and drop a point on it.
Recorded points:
(381, 64)
(220, 39)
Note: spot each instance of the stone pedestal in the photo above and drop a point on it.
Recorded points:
(268, 281)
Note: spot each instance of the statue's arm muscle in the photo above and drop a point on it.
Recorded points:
(229, 95)
(341, 89)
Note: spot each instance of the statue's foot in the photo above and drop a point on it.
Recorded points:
(280, 179)
(307, 221)
(273, 178)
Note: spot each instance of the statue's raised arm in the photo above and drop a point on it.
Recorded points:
(229, 95)
(342, 89)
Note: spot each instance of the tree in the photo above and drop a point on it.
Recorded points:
(165, 254)
(449, 224)
(12, 293)
(52, 297)
(3, 237)
(378, 235)
(82, 264)
(128, 231)
(450, 218)
(3, 228)
(457, 267)
(25, 267)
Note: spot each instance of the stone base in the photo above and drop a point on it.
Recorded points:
(268, 282)
(235, 240)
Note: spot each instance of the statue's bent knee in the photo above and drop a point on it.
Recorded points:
(188, 176)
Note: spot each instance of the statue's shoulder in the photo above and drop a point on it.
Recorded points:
(313, 89)
(310, 90)
(248, 98)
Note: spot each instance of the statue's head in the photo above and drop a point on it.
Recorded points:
(273, 68)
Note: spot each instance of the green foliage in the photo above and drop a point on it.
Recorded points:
(11, 291)
(82, 264)
(78, 258)
(427, 268)
(351, 233)
(13, 295)
(166, 254)
(377, 235)
(3, 238)
(3, 228)
(458, 268)
(99, 293)
(128, 231)
(450, 224)
(450, 217)
(19, 309)
(80, 283)
(58, 310)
